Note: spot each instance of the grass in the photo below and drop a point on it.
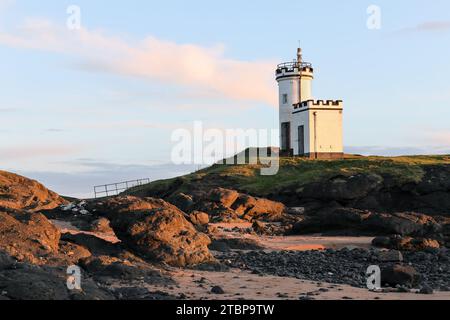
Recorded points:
(295, 172)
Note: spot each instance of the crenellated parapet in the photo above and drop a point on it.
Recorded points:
(319, 103)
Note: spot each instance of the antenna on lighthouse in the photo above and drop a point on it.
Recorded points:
(299, 55)
(299, 63)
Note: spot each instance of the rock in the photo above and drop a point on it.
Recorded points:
(29, 237)
(217, 290)
(403, 223)
(199, 218)
(398, 274)
(101, 225)
(181, 201)
(359, 221)
(225, 197)
(123, 268)
(406, 243)
(6, 261)
(158, 230)
(218, 245)
(258, 208)
(343, 188)
(426, 289)
(382, 242)
(259, 227)
(296, 210)
(94, 244)
(20, 193)
(390, 256)
(31, 282)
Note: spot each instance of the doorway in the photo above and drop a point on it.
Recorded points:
(301, 140)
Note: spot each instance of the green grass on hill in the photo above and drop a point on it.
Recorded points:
(299, 171)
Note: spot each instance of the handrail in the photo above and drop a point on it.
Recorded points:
(114, 189)
(294, 64)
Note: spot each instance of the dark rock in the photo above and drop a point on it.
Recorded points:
(217, 290)
(218, 245)
(397, 274)
(390, 256)
(182, 201)
(426, 289)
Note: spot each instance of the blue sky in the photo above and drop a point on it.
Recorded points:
(94, 106)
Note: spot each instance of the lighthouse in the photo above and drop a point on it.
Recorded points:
(308, 128)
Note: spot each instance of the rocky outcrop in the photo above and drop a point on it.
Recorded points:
(226, 205)
(429, 194)
(22, 281)
(398, 242)
(156, 230)
(28, 237)
(20, 193)
(363, 221)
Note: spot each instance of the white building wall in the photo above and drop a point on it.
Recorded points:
(301, 119)
(290, 87)
(328, 131)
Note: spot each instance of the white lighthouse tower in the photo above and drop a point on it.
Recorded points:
(307, 127)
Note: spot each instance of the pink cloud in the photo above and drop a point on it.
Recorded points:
(189, 65)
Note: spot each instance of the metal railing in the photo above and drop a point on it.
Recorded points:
(114, 189)
(294, 64)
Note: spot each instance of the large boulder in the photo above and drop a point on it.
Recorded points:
(399, 275)
(225, 197)
(156, 230)
(253, 208)
(29, 237)
(20, 193)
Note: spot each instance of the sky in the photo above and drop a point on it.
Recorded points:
(98, 104)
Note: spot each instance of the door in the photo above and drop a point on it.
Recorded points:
(286, 136)
(301, 140)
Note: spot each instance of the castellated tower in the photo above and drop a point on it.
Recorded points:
(308, 127)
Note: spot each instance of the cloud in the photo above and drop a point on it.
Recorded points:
(205, 68)
(429, 26)
(35, 151)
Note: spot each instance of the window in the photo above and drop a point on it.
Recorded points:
(285, 98)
